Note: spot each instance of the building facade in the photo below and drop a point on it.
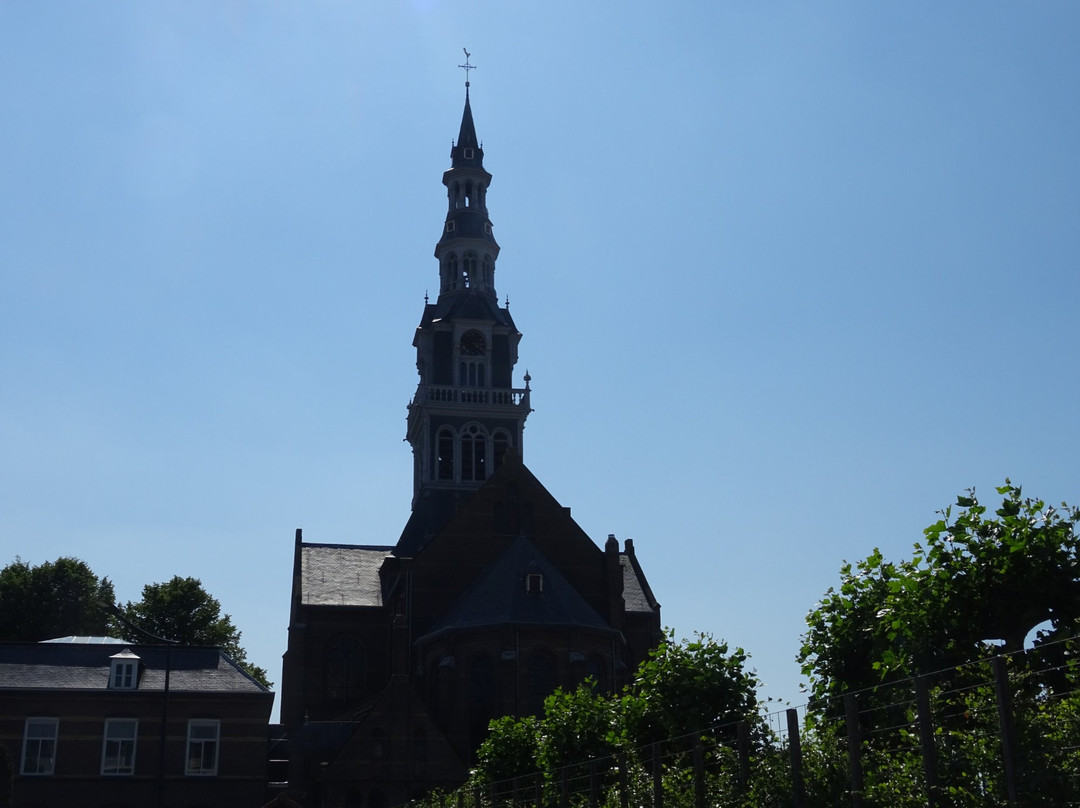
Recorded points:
(400, 654)
(113, 725)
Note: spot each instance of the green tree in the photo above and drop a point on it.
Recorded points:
(977, 584)
(56, 599)
(684, 689)
(182, 610)
(689, 687)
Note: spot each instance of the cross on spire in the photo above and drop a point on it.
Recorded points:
(467, 67)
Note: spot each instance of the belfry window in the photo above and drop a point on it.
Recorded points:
(502, 444)
(468, 271)
(444, 462)
(473, 454)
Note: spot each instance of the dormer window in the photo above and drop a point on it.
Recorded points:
(468, 153)
(534, 583)
(124, 670)
(449, 227)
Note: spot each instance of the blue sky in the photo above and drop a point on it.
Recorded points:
(790, 277)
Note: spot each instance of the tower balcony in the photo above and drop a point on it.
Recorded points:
(450, 394)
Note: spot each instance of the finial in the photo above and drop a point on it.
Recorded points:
(425, 297)
(507, 303)
(467, 67)
(528, 379)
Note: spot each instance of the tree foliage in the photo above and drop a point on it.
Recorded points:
(689, 687)
(683, 689)
(183, 611)
(56, 599)
(979, 582)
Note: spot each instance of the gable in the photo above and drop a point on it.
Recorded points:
(511, 504)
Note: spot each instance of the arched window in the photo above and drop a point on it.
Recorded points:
(473, 454)
(489, 271)
(541, 680)
(452, 271)
(344, 668)
(502, 443)
(444, 461)
(468, 270)
(481, 698)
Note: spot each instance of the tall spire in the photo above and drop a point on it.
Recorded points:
(467, 153)
(466, 414)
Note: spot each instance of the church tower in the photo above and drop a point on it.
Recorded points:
(466, 413)
(400, 654)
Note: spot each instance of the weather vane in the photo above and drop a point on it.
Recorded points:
(467, 67)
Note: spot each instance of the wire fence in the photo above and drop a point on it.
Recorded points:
(1004, 731)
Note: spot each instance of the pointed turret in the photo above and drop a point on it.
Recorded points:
(467, 152)
(467, 249)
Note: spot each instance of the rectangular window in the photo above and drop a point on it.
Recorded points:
(202, 747)
(123, 675)
(118, 747)
(39, 746)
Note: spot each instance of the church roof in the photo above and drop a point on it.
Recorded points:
(467, 306)
(429, 515)
(341, 574)
(637, 595)
(466, 152)
(501, 597)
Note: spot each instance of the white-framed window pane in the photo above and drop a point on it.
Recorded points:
(118, 747)
(39, 746)
(202, 746)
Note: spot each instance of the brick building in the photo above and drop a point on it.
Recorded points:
(82, 723)
(399, 654)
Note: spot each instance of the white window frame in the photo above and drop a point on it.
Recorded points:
(197, 747)
(123, 675)
(115, 741)
(38, 740)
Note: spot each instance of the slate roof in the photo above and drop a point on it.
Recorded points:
(73, 666)
(499, 597)
(637, 595)
(429, 515)
(466, 305)
(341, 574)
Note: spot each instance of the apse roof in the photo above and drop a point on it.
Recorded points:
(501, 597)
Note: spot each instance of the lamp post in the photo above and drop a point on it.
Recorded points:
(114, 610)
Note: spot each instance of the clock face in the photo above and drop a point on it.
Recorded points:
(472, 343)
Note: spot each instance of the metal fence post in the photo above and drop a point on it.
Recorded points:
(798, 788)
(657, 778)
(594, 785)
(743, 745)
(624, 791)
(699, 773)
(926, 740)
(1005, 721)
(854, 745)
